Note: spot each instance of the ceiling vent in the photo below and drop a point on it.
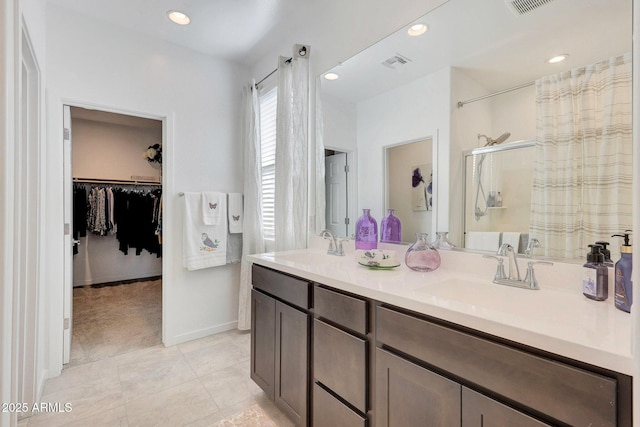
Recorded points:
(520, 7)
(396, 60)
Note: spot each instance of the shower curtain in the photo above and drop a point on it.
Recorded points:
(583, 157)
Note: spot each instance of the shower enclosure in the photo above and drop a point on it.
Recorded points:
(497, 181)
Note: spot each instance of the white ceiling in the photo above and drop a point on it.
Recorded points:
(492, 45)
(231, 29)
(482, 37)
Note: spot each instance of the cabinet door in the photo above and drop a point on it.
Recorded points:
(480, 411)
(292, 359)
(409, 395)
(263, 341)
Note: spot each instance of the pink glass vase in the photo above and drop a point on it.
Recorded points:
(422, 256)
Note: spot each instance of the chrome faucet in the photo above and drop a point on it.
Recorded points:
(507, 250)
(513, 277)
(335, 246)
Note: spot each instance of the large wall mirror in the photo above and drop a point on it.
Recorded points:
(471, 75)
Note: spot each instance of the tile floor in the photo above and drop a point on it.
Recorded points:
(203, 382)
(113, 320)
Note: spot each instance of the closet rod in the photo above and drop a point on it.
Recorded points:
(480, 98)
(115, 181)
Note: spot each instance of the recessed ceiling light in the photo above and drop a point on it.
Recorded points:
(331, 76)
(558, 58)
(178, 17)
(417, 29)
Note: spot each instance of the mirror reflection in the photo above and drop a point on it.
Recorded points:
(474, 72)
(410, 188)
(497, 196)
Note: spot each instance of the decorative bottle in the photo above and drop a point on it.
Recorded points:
(442, 241)
(391, 228)
(422, 256)
(366, 231)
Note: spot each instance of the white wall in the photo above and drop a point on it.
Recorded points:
(412, 112)
(198, 97)
(110, 151)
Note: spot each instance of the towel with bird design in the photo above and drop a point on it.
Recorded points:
(205, 245)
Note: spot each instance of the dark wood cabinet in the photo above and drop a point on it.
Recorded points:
(341, 366)
(280, 341)
(330, 358)
(328, 411)
(292, 362)
(410, 395)
(340, 363)
(532, 384)
(480, 411)
(263, 341)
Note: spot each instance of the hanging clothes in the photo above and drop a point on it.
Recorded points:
(130, 213)
(79, 214)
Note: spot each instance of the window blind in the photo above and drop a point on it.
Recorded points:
(268, 107)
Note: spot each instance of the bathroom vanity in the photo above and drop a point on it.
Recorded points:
(337, 344)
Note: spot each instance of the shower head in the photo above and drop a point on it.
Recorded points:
(499, 140)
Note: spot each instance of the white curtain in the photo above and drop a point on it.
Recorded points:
(252, 235)
(320, 206)
(583, 160)
(291, 198)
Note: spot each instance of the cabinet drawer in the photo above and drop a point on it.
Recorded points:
(330, 412)
(342, 309)
(340, 363)
(479, 410)
(290, 289)
(565, 393)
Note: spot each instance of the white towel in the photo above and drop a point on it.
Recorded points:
(512, 238)
(483, 240)
(211, 207)
(203, 245)
(236, 213)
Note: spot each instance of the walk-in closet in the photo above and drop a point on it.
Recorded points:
(116, 169)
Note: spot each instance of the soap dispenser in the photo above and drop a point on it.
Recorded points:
(595, 276)
(623, 284)
(606, 252)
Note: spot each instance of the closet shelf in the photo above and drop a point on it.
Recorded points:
(115, 181)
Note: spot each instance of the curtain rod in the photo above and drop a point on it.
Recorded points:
(271, 73)
(298, 49)
(115, 181)
(462, 103)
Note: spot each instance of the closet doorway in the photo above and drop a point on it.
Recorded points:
(114, 182)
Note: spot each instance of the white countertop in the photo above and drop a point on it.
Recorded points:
(557, 318)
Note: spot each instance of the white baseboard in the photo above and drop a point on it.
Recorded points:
(212, 330)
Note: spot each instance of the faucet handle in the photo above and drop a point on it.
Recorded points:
(340, 250)
(530, 278)
(500, 274)
(533, 243)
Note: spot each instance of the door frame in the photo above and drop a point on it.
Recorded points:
(62, 318)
